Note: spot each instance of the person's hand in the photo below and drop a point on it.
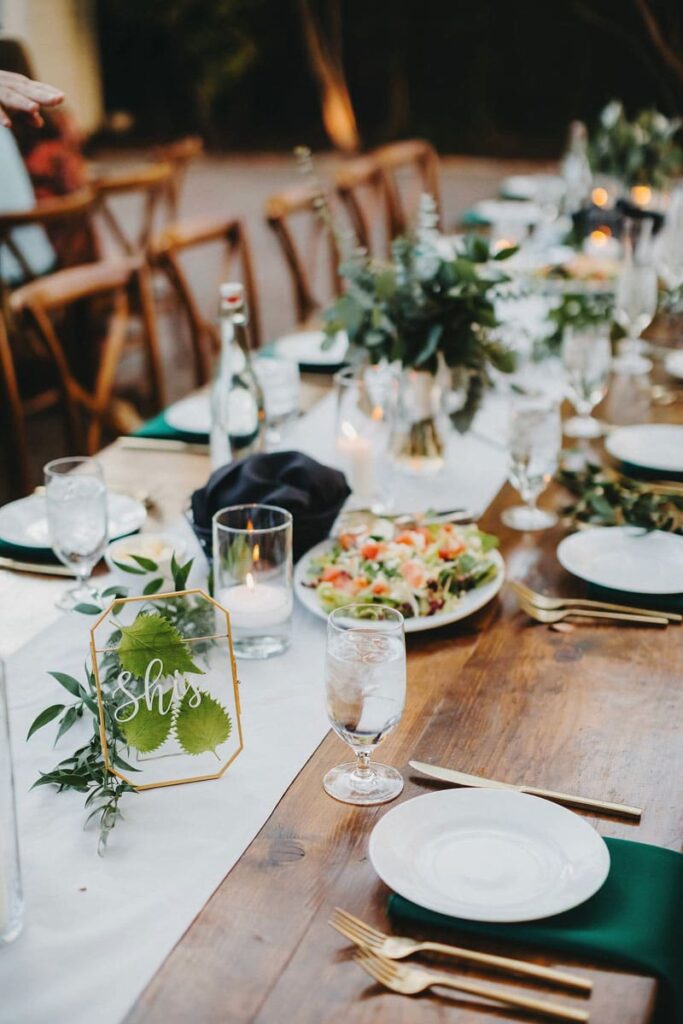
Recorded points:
(19, 94)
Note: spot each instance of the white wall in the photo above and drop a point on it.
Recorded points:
(61, 36)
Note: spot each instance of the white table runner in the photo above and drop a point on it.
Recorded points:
(85, 914)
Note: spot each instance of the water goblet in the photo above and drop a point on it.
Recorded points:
(76, 506)
(586, 356)
(281, 384)
(634, 309)
(365, 683)
(534, 448)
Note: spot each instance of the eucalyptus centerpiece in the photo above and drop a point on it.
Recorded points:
(641, 153)
(429, 309)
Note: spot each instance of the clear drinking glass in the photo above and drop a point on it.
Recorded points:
(281, 384)
(534, 448)
(76, 504)
(252, 566)
(11, 900)
(365, 685)
(586, 356)
(634, 309)
(365, 400)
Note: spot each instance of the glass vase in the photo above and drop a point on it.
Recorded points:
(11, 901)
(418, 434)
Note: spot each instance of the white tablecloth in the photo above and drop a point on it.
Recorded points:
(97, 929)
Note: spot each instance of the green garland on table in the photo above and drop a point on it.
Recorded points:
(638, 152)
(604, 499)
(84, 770)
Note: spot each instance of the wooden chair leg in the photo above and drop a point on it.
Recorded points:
(156, 366)
(112, 350)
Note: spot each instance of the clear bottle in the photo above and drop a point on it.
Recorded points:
(237, 407)
(576, 169)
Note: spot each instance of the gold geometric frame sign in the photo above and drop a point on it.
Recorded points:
(166, 679)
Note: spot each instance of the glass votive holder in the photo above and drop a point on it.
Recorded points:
(365, 397)
(252, 566)
(11, 900)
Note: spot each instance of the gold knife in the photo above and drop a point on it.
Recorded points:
(584, 803)
(35, 567)
(154, 444)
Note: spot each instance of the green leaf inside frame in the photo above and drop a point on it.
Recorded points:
(153, 636)
(202, 728)
(148, 728)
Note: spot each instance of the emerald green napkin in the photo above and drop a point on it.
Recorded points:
(635, 921)
(159, 429)
(23, 554)
(665, 602)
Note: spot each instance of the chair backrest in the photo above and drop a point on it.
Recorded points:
(410, 168)
(150, 183)
(183, 237)
(307, 244)
(178, 155)
(362, 189)
(70, 216)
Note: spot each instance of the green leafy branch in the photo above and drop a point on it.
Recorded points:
(85, 770)
(603, 499)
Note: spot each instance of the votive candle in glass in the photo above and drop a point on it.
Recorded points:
(252, 565)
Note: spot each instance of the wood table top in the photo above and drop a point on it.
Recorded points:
(596, 711)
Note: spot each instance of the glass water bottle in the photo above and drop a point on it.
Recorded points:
(237, 407)
(11, 902)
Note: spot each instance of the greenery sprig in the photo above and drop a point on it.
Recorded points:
(638, 152)
(604, 499)
(85, 770)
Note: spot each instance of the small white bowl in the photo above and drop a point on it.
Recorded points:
(159, 547)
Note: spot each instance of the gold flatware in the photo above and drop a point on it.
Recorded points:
(153, 444)
(35, 567)
(549, 618)
(409, 980)
(435, 771)
(551, 604)
(397, 947)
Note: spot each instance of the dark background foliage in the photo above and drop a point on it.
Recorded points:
(477, 76)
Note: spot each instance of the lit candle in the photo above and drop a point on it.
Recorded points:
(600, 196)
(256, 605)
(601, 244)
(356, 452)
(641, 195)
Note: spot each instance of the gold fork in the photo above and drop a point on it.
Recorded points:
(396, 947)
(552, 604)
(549, 618)
(409, 980)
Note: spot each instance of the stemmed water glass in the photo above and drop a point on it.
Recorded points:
(76, 504)
(365, 682)
(534, 447)
(634, 309)
(586, 356)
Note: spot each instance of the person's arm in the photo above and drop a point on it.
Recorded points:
(19, 94)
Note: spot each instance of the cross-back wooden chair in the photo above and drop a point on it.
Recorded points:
(178, 155)
(289, 213)
(68, 217)
(151, 184)
(362, 189)
(112, 286)
(166, 253)
(419, 159)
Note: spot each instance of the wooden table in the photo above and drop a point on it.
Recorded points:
(595, 711)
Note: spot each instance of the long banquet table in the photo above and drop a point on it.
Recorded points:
(596, 711)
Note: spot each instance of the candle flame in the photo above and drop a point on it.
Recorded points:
(641, 194)
(348, 429)
(600, 196)
(249, 579)
(600, 237)
(255, 553)
(250, 525)
(378, 413)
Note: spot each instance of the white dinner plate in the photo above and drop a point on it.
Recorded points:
(527, 186)
(24, 522)
(673, 363)
(192, 415)
(471, 602)
(510, 211)
(625, 558)
(657, 446)
(488, 855)
(306, 349)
